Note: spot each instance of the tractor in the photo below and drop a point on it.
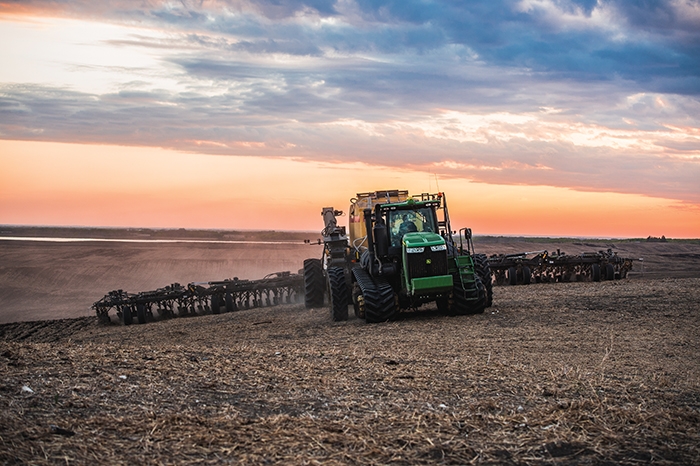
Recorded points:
(400, 254)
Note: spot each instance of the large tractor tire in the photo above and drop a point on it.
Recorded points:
(482, 269)
(339, 293)
(467, 299)
(314, 283)
(377, 297)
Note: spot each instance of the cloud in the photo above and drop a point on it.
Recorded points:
(594, 95)
(652, 43)
(540, 148)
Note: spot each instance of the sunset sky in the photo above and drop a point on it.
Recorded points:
(535, 117)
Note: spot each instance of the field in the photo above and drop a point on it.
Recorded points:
(574, 373)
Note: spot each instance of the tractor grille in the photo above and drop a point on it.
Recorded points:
(427, 264)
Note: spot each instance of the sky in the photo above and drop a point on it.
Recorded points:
(535, 117)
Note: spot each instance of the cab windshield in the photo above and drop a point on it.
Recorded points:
(407, 221)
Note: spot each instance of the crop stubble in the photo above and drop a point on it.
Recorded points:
(580, 373)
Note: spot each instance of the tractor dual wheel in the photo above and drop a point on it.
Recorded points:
(467, 299)
(338, 293)
(482, 269)
(314, 283)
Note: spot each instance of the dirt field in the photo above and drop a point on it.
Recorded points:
(45, 280)
(577, 373)
(50, 280)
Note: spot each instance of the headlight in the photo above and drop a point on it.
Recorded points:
(414, 250)
(439, 247)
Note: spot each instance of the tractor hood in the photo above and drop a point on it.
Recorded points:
(422, 239)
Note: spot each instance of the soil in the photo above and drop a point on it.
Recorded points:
(48, 280)
(566, 373)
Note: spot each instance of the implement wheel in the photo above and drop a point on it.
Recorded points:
(314, 283)
(126, 315)
(512, 276)
(141, 313)
(609, 272)
(215, 304)
(230, 303)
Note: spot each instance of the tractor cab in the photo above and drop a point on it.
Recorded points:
(417, 220)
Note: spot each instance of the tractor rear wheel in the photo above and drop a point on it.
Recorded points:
(481, 264)
(314, 284)
(338, 293)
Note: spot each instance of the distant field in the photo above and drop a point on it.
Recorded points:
(155, 233)
(45, 280)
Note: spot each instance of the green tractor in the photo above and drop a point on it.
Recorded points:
(399, 255)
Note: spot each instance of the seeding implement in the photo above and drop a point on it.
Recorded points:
(542, 267)
(400, 254)
(200, 298)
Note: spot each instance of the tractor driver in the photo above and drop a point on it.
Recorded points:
(407, 226)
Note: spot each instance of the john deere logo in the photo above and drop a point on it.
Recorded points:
(428, 261)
